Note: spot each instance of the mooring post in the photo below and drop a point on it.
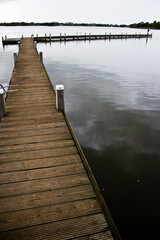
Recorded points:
(2, 104)
(19, 45)
(60, 98)
(2, 39)
(50, 38)
(5, 37)
(41, 57)
(35, 45)
(15, 58)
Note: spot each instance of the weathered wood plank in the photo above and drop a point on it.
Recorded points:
(63, 230)
(41, 173)
(41, 185)
(27, 155)
(38, 163)
(31, 217)
(46, 198)
(36, 139)
(32, 127)
(35, 146)
(28, 106)
(28, 133)
(15, 119)
(55, 118)
(105, 235)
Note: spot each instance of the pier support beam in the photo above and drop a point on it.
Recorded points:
(2, 104)
(60, 98)
(15, 58)
(41, 57)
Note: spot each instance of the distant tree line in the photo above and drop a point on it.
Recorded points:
(59, 24)
(154, 25)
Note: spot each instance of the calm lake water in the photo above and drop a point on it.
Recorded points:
(112, 98)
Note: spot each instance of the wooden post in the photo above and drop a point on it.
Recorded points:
(5, 37)
(2, 39)
(41, 56)
(60, 98)
(19, 44)
(2, 104)
(15, 58)
(35, 45)
(50, 37)
(65, 36)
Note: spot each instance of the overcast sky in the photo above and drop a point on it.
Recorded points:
(88, 11)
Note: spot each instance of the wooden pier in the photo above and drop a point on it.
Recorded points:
(47, 190)
(85, 37)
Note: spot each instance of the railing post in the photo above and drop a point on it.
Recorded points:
(60, 98)
(2, 104)
(41, 57)
(19, 45)
(35, 44)
(15, 58)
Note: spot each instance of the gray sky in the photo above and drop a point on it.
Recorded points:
(88, 11)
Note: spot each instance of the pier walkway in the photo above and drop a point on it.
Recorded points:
(85, 37)
(47, 190)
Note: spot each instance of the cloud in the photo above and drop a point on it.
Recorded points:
(4, 1)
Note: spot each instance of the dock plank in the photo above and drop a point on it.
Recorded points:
(46, 198)
(74, 228)
(40, 173)
(52, 213)
(45, 184)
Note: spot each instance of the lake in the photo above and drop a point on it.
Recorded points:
(112, 99)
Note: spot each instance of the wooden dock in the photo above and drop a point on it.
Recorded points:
(85, 37)
(47, 190)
